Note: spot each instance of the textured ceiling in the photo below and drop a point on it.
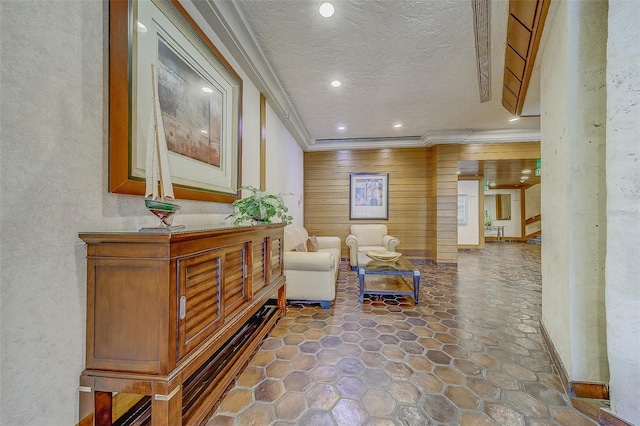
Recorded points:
(409, 62)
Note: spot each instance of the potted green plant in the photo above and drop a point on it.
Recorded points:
(487, 219)
(260, 207)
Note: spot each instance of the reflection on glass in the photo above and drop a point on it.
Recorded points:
(497, 207)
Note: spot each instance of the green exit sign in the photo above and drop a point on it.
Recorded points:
(538, 163)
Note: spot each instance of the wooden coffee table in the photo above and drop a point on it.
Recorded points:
(385, 278)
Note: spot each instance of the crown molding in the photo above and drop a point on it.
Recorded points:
(230, 25)
(465, 136)
(366, 143)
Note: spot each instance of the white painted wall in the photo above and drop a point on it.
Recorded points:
(512, 228)
(285, 171)
(53, 184)
(573, 191)
(623, 209)
(469, 234)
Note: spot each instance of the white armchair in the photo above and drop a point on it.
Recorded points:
(368, 237)
(311, 276)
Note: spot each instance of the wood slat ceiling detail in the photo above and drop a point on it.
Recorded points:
(500, 163)
(504, 173)
(524, 30)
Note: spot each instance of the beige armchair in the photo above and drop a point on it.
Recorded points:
(368, 237)
(311, 275)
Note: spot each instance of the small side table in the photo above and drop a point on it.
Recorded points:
(393, 285)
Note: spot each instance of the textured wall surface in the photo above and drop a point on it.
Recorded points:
(623, 208)
(54, 168)
(554, 114)
(573, 146)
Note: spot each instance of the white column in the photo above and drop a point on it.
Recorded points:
(573, 200)
(623, 208)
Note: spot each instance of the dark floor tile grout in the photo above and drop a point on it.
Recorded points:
(469, 354)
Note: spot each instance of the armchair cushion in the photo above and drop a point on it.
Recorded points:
(312, 243)
(368, 237)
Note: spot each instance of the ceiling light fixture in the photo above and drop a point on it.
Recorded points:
(336, 83)
(397, 126)
(512, 119)
(326, 10)
(207, 90)
(524, 178)
(526, 171)
(342, 127)
(141, 27)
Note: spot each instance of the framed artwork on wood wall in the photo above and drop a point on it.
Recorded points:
(369, 196)
(200, 99)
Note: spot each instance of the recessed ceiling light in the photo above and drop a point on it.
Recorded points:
(512, 119)
(326, 10)
(397, 126)
(203, 131)
(458, 172)
(342, 127)
(207, 90)
(492, 184)
(526, 171)
(336, 83)
(141, 27)
(524, 177)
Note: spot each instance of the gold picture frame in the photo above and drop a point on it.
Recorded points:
(142, 32)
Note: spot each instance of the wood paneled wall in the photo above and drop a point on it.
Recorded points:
(443, 229)
(326, 194)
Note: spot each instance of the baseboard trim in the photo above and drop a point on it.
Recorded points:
(578, 389)
(607, 418)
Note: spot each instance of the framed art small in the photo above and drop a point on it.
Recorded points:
(200, 98)
(369, 196)
(462, 210)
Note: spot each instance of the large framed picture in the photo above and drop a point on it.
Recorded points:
(369, 196)
(200, 98)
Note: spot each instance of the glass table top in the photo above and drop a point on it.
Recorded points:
(378, 266)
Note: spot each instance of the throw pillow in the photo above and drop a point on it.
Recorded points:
(300, 247)
(312, 243)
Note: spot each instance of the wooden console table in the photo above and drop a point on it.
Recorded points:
(176, 317)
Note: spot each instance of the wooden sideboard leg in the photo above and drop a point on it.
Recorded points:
(86, 400)
(282, 300)
(103, 403)
(166, 404)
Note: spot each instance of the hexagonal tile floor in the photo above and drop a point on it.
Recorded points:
(471, 353)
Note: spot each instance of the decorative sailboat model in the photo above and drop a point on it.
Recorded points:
(159, 198)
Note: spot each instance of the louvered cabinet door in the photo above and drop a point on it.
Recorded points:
(276, 258)
(235, 279)
(259, 266)
(199, 310)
